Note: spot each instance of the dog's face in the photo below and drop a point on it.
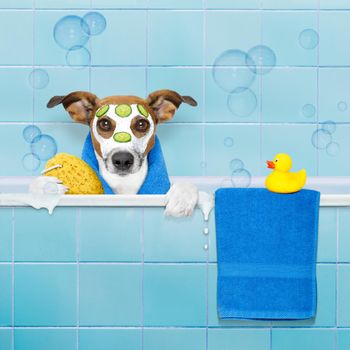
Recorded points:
(122, 127)
(123, 134)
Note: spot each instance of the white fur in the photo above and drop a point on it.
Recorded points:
(128, 184)
(181, 199)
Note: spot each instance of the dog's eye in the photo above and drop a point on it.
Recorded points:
(142, 125)
(104, 124)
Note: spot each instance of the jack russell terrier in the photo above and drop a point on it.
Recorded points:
(123, 131)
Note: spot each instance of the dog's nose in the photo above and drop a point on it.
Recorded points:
(123, 160)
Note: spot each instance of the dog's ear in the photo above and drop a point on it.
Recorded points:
(79, 104)
(165, 103)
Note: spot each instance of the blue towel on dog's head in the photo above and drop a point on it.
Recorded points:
(266, 245)
(157, 179)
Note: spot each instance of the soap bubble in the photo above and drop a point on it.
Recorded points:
(342, 106)
(236, 164)
(329, 126)
(241, 178)
(71, 31)
(38, 78)
(96, 23)
(51, 188)
(30, 132)
(309, 110)
(228, 142)
(242, 102)
(321, 138)
(44, 147)
(30, 162)
(78, 57)
(308, 39)
(233, 69)
(333, 149)
(263, 57)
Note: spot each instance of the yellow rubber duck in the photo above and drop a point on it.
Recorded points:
(281, 180)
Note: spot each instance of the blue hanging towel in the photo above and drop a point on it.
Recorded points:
(157, 179)
(266, 245)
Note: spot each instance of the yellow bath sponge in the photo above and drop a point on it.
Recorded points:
(74, 174)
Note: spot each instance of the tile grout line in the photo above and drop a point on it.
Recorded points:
(78, 211)
(337, 270)
(336, 280)
(261, 89)
(204, 109)
(207, 301)
(168, 263)
(170, 66)
(266, 328)
(33, 61)
(249, 124)
(204, 164)
(207, 286)
(318, 86)
(142, 242)
(78, 231)
(33, 68)
(146, 66)
(13, 278)
(91, 55)
(173, 9)
(262, 124)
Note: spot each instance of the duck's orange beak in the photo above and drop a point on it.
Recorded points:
(270, 164)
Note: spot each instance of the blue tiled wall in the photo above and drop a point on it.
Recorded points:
(132, 279)
(75, 282)
(154, 44)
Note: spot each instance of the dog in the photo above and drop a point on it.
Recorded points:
(123, 130)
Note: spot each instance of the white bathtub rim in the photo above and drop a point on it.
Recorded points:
(206, 199)
(327, 200)
(324, 184)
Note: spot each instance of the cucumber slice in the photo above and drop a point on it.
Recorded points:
(102, 111)
(122, 137)
(142, 110)
(123, 110)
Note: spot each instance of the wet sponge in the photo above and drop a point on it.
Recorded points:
(75, 174)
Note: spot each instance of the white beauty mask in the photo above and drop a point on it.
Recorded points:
(123, 138)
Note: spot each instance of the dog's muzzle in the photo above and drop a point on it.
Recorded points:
(123, 161)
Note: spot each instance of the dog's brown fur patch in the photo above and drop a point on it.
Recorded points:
(97, 145)
(106, 134)
(133, 128)
(150, 145)
(81, 105)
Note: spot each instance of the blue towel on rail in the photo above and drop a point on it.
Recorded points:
(266, 244)
(157, 179)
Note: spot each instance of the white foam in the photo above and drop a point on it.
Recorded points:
(37, 201)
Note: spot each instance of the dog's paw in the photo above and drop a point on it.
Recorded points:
(47, 185)
(181, 200)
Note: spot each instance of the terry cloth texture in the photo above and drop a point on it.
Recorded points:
(266, 245)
